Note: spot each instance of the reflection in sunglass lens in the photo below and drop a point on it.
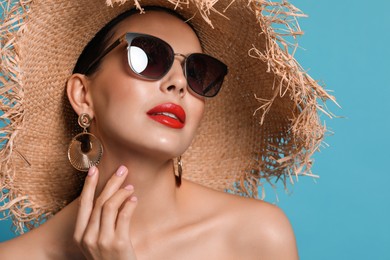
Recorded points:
(205, 74)
(150, 57)
(138, 59)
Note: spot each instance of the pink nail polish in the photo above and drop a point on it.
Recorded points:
(129, 187)
(121, 170)
(92, 171)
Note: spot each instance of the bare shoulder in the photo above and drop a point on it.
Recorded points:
(51, 240)
(255, 228)
(21, 247)
(264, 229)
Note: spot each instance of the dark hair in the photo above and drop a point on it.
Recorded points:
(100, 41)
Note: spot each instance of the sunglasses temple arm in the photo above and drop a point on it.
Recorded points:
(105, 52)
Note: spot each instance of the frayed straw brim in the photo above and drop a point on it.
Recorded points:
(264, 124)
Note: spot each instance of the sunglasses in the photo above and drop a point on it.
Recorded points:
(151, 58)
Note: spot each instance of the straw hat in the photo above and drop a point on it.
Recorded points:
(263, 124)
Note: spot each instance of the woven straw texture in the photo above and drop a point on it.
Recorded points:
(264, 124)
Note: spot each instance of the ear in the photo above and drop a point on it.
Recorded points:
(78, 91)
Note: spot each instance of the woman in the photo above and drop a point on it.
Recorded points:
(132, 205)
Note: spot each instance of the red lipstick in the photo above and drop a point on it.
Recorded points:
(168, 114)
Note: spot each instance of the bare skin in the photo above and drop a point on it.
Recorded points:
(136, 211)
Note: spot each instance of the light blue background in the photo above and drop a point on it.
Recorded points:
(346, 213)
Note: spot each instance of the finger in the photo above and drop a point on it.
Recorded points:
(86, 203)
(124, 218)
(113, 184)
(111, 208)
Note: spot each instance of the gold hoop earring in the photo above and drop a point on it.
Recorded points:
(85, 150)
(179, 171)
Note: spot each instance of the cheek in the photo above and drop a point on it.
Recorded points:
(117, 100)
(108, 96)
(197, 111)
(200, 112)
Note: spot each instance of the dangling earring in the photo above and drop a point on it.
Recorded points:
(179, 171)
(85, 150)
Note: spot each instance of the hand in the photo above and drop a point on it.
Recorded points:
(102, 229)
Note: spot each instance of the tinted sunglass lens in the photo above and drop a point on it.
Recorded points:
(205, 74)
(150, 57)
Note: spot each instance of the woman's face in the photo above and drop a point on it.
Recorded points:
(123, 103)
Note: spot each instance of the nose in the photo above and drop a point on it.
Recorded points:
(175, 81)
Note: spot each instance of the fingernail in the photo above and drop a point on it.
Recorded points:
(133, 198)
(121, 170)
(92, 171)
(129, 187)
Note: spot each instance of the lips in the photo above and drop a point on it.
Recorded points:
(168, 114)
